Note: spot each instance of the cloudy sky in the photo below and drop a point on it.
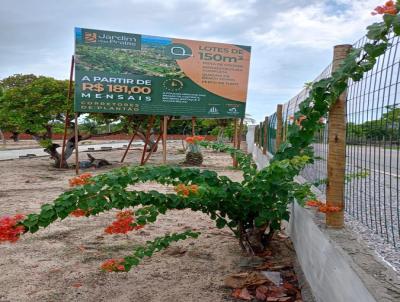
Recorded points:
(291, 40)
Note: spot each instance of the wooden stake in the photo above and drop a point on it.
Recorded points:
(193, 126)
(130, 142)
(66, 124)
(165, 129)
(239, 139)
(156, 143)
(265, 146)
(235, 134)
(279, 126)
(149, 126)
(76, 145)
(337, 149)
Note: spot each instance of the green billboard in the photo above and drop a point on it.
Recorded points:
(138, 74)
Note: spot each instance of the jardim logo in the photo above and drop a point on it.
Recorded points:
(90, 37)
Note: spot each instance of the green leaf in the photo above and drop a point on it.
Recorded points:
(220, 222)
(375, 50)
(376, 31)
(396, 25)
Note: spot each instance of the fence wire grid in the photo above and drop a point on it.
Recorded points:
(373, 144)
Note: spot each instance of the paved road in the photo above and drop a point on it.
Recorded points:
(373, 199)
(14, 154)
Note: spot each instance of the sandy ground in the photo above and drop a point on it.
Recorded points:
(61, 263)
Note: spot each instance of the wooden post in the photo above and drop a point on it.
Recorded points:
(239, 140)
(193, 126)
(130, 142)
(337, 148)
(165, 126)
(256, 136)
(156, 143)
(279, 126)
(66, 124)
(235, 133)
(150, 124)
(265, 146)
(76, 145)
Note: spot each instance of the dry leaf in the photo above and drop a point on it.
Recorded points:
(241, 280)
(242, 293)
(261, 292)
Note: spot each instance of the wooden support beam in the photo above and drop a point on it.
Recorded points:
(149, 126)
(135, 130)
(279, 126)
(165, 130)
(156, 143)
(193, 126)
(265, 146)
(76, 145)
(66, 123)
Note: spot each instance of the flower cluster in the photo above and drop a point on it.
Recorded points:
(389, 8)
(82, 179)
(79, 213)
(123, 224)
(194, 139)
(184, 190)
(113, 265)
(322, 207)
(10, 230)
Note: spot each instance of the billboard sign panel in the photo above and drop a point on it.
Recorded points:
(139, 74)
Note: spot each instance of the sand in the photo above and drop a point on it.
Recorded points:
(61, 262)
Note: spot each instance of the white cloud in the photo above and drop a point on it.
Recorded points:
(315, 25)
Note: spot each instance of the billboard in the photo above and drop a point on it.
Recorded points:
(129, 73)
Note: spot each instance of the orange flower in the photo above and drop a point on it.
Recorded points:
(184, 190)
(78, 213)
(113, 265)
(328, 209)
(82, 179)
(125, 214)
(194, 139)
(194, 188)
(189, 140)
(10, 228)
(314, 203)
(389, 8)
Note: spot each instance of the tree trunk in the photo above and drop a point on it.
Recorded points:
(69, 149)
(254, 240)
(15, 137)
(3, 140)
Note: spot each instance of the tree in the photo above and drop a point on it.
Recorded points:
(33, 104)
(36, 104)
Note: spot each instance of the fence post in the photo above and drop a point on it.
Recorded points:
(260, 127)
(255, 135)
(265, 146)
(279, 126)
(336, 165)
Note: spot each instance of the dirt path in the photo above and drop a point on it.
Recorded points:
(61, 263)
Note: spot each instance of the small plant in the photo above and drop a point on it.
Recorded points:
(194, 156)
